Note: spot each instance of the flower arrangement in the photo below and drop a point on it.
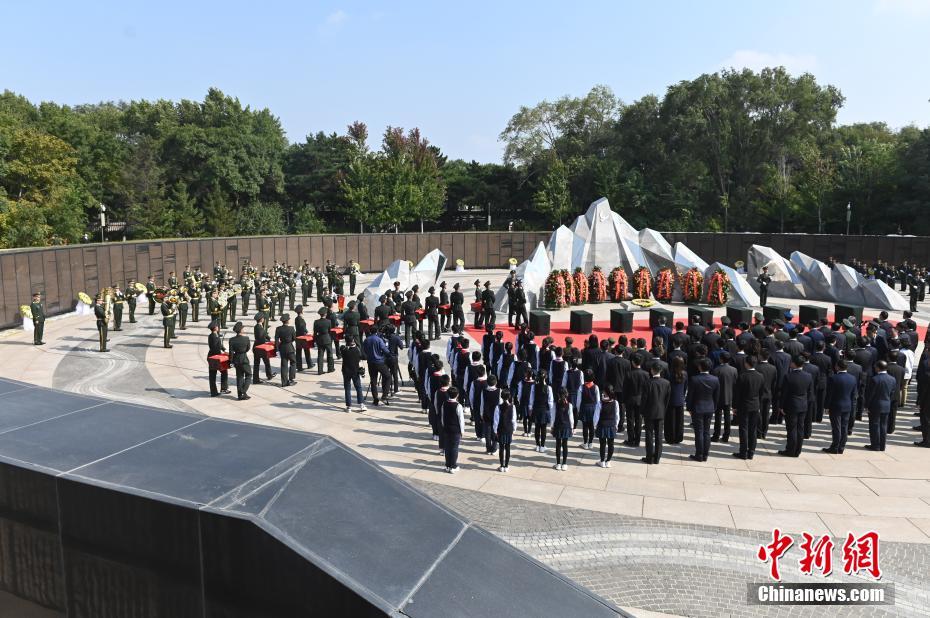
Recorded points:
(571, 293)
(718, 289)
(691, 285)
(643, 302)
(619, 284)
(581, 287)
(642, 283)
(555, 290)
(665, 283)
(597, 284)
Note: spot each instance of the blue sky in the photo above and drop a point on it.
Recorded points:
(458, 70)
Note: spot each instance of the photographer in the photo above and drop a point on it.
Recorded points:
(352, 373)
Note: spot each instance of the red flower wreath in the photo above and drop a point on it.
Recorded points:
(642, 283)
(598, 285)
(619, 284)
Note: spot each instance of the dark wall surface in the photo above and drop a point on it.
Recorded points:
(61, 273)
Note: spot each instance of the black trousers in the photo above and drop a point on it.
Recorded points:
(722, 413)
(451, 446)
(224, 381)
(255, 367)
(561, 450)
(408, 331)
(132, 310)
(38, 329)
(839, 424)
(540, 434)
(288, 366)
(820, 394)
(701, 424)
(634, 425)
(458, 317)
(169, 332)
(893, 416)
(182, 316)
(764, 418)
(151, 305)
(243, 379)
(925, 423)
(674, 424)
(654, 439)
(376, 372)
(748, 421)
(794, 426)
(326, 350)
(102, 335)
(763, 296)
(117, 316)
(607, 448)
(245, 303)
(305, 353)
(394, 368)
(878, 427)
(520, 316)
(432, 327)
(505, 455)
(195, 311)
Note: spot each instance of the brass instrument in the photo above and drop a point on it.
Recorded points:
(107, 295)
(172, 297)
(140, 288)
(236, 289)
(222, 299)
(160, 293)
(26, 310)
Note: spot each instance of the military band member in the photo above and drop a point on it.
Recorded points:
(188, 273)
(172, 280)
(195, 295)
(353, 276)
(281, 290)
(167, 321)
(215, 345)
(300, 328)
(131, 294)
(305, 283)
(284, 339)
(38, 319)
(322, 339)
(246, 282)
(100, 312)
(231, 301)
(318, 278)
(118, 299)
(183, 305)
(239, 358)
(261, 336)
(263, 303)
(213, 307)
(150, 294)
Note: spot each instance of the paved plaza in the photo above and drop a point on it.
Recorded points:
(678, 538)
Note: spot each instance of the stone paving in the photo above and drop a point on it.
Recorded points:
(730, 498)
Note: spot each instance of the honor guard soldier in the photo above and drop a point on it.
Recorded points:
(432, 314)
(457, 299)
(131, 294)
(172, 280)
(764, 279)
(305, 283)
(318, 279)
(300, 327)
(408, 310)
(284, 339)
(245, 280)
(183, 305)
(100, 312)
(446, 318)
(261, 336)
(150, 294)
(118, 299)
(213, 307)
(239, 358)
(282, 293)
(38, 319)
(215, 345)
(362, 308)
(291, 290)
(353, 276)
(519, 304)
(487, 305)
(195, 295)
(350, 322)
(323, 340)
(167, 320)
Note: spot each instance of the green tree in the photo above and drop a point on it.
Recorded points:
(188, 220)
(260, 219)
(553, 199)
(220, 219)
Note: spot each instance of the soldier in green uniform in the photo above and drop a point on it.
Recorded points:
(172, 280)
(231, 301)
(318, 276)
(239, 358)
(291, 289)
(281, 289)
(150, 293)
(195, 295)
(118, 299)
(131, 294)
(261, 336)
(223, 295)
(353, 274)
(100, 312)
(305, 282)
(183, 304)
(167, 320)
(213, 307)
(245, 280)
(38, 319)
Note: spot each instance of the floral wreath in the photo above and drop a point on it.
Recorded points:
(665, 283)
(619, 284)
(642, 283)
(555, 290)
(718, 289)
(691, 286)
(581, 287)
(598, 285)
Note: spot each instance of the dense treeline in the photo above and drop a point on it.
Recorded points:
(734, 150)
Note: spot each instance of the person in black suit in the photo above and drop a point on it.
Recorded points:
(695, 330)
(842, 390)
(879, 393)
(797, 395)
(284, 338)
(855, 371)
(663, 332)
(655, 403)
(703, 392)
(896, 371)
(633, 391)
(814, 372)
(239, 358)
(323, 341)
(727, 376)
(352, 373)
(770, 375)
(260, 337)
(215, 345)
(824, 365)
(747, 398)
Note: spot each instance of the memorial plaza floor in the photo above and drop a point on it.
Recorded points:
(677, 538)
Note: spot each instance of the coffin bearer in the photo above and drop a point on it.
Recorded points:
(100, 312)
(284, 338)
(323, 341)
(300, 329)
(261, 336)
(215, 345)
(118, 299)
(239, 358)
(38, 319)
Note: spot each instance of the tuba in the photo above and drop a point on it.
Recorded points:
(236, 289)
(222, 299)
(140, 288)
(107, 294)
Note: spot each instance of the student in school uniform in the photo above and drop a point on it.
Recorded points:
(574, 378)
(490, 397)
(588, 405)
(476, 390)
(505, 420)
(524, 401)
(605, 423)
(557, 368)
(562, 423)
(504, 365)
(439, 400)
(453, 426)
(543, 403)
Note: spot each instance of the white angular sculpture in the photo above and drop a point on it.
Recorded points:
(844, 284)
(879, 294)
(741, 293)
(786, 282)
(686, 259)
(560, 248)
(624, 229)
(533, 273)
(656, 250)
(398, 270)
(815, 276)
(581, 227)
(603, 238)
(427, 271)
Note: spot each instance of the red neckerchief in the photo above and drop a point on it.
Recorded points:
(589, 384)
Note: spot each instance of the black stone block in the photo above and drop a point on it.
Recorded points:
(806, 313)
(581, 321)
(841, 312)
(539, 322)
(705, 314)
(657, 312)
(739, 314)
(774, 312)
(621, 321)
